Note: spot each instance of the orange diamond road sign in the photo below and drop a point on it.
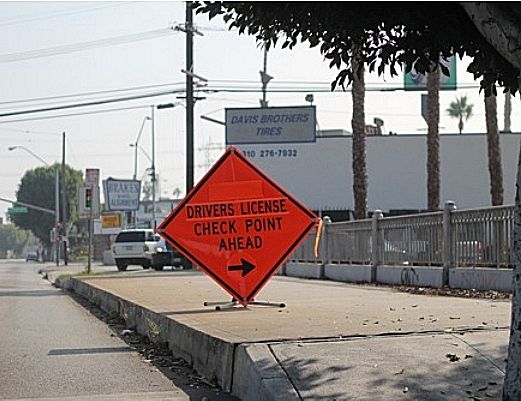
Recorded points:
(238, 225)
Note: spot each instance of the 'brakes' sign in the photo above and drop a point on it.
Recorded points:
(121, 195)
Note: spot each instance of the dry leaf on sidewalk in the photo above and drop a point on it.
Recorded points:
(453, 357)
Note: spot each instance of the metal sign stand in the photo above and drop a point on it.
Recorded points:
(229, 305)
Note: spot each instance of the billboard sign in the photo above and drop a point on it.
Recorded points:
(271, 125)
(121, 195)
(111, 220)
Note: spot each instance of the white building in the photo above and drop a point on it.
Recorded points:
(320, 173)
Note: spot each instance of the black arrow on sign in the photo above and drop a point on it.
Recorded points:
(245, 266)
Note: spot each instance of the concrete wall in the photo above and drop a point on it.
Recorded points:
(304, 270)
(108, 258)
(405, 275)
(481, 278)
(422, 276)
(348, 273)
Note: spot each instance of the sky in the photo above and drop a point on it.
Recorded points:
(53, 49)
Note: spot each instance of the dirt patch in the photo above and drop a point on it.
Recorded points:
(454, 292)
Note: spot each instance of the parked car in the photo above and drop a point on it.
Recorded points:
(135, 247)
(33, 255)
(144, 248)
(166, 255)
(469, 251)
(394, 254)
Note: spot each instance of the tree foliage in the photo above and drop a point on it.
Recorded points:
(12, 238)
(391, 35)
(37, 188)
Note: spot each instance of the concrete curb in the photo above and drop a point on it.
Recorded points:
(248, 371)
(259, 376)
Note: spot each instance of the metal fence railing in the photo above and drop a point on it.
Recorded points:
(306, 251)
(415, 239)
(349, 242)
(483, 237)
(473, 237)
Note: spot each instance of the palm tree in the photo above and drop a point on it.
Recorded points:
(433, 139)
(495, 168)
(460, 109)
(508, 112)
(358, 126)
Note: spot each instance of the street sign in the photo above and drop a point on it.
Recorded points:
(17, 210)
(238, 225)
(415, 81)
(92, 177)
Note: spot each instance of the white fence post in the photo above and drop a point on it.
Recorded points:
(376, 245)
(448, 248)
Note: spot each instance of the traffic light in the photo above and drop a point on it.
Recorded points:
(88, 198)
(152, 174)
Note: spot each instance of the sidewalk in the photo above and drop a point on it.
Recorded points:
(333, 341)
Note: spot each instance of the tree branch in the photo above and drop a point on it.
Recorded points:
(498, 27)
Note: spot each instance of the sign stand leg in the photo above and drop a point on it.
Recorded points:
(229, 305)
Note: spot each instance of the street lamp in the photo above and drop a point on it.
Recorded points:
(152, 159)
(56, 191)
(11, 148)
(136, 144)
(133, 145)
(153, 167)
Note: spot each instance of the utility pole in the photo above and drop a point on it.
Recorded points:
(153, 170)
(91, 223)
(265, 78)
(56, 212)
(63, 204)
(189, 99)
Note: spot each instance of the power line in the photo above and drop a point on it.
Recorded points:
(86, 104)
(89, 94)
(156, 86)
(75, 47)
(76, 114)
(216, 89)
(27, 131)
(29, 18)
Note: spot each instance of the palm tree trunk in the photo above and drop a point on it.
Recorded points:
(358, 150)
(511, 385)
(495, 168)
(508, 112)
(433, 140)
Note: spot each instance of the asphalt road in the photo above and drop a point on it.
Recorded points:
(52, 348)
